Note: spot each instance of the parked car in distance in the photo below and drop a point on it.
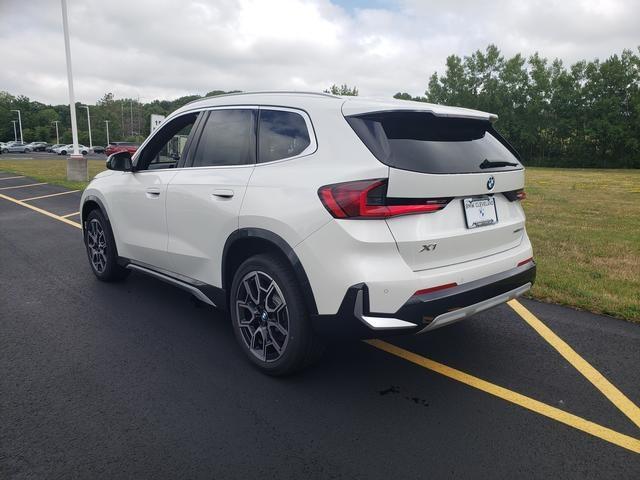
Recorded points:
(38, 146)
(98, 149)
(115, 147)
(312, 215)
(68, 149)
(51, 148)
(16, 147)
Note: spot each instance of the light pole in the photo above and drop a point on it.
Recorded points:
(57, 135)
(88, 125)
(15, 132)
(106, 122)
(76, 165)
(19, 123)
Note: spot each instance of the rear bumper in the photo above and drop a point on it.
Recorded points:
(429, 311)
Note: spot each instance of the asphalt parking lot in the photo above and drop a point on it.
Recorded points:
(136, 380)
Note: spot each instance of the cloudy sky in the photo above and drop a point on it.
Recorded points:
(168, 48)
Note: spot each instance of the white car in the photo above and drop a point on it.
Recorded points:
(68, 149)
(312, 215)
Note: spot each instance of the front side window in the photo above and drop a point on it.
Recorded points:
(228, 138)
(282, 135)
(166, 148)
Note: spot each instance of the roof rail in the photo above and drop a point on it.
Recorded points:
(285, 92)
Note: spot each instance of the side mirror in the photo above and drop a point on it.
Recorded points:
(120, 161)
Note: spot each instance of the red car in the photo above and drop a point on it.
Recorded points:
(115, 147)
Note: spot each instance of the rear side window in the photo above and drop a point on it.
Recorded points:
(282, 135)
(422, 142)
(228, 138)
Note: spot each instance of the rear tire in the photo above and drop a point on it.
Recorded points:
(269, 317)
(101, 249)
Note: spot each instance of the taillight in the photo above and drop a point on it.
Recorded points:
(514, 195)
(436, 289)
(524, 262)
(367, 199)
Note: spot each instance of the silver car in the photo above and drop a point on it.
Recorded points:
(16, 147)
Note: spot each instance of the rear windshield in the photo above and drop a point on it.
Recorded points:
(422, 142)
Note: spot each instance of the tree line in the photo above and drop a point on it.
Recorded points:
(583, 115)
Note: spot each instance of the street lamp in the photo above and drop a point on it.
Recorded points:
(76, 165)
(57, 135)
(19, 123)
(88, 124)
(106, 122)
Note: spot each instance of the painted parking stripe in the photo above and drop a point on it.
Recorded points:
(50, 195)
(11, 178)
(529, 403)
(69, 214)
(23, 186)
(43, 212)
(615, 396)
(579, 423)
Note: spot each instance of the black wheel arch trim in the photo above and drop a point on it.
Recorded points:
(282, 245)
(93, 198)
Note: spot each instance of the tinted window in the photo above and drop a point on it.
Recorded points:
(166, 147)
(228, 138)
(282, 135)
(423, 142)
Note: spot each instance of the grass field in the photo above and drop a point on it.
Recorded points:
(585, 229)
(584, 226)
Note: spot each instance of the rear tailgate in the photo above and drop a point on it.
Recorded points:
(443, 238)
(462, 160)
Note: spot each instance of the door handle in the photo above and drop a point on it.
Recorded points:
(222, 193)
(152, 192)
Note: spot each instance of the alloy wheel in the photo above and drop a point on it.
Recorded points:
(262, 316)
(97, 245)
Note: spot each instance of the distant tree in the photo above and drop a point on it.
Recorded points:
(343, 89)
(407, 96)
(585, 115)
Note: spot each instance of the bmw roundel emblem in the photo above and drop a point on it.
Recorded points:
(491, 183)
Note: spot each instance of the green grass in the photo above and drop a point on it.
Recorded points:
(50, 171)
(584, 226)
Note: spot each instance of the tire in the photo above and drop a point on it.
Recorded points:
(27, 150)
(263, 321)
(101, 249)
(63, 152)
(84, 152)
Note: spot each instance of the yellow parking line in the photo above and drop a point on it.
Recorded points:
(614, 395)
(11, 178)
(579, 423)
(50, 195)
(69, 215)
(44, 212)
(529, 403)
(22, 186)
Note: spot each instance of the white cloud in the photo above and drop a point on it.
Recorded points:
(164, 48)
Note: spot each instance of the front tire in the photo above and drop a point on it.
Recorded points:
(269, 317)
(101, 249)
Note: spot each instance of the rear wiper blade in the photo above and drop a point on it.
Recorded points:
(496, 164)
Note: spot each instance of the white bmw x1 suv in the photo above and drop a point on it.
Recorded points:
(311, 215)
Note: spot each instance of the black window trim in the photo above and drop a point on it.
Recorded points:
(205, 116)
(187, 149)
(313, 144)
(196, 132)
